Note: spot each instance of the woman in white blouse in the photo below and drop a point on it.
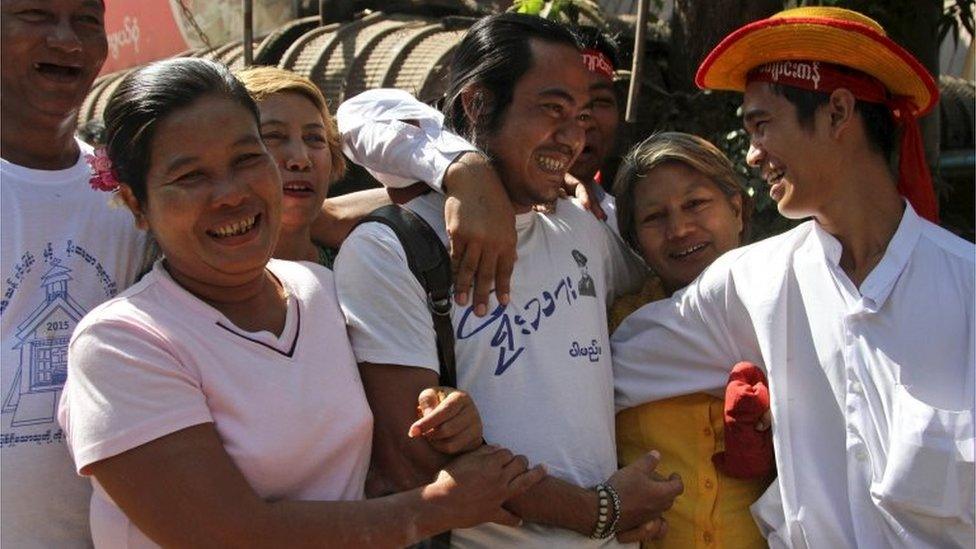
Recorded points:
(217, 401)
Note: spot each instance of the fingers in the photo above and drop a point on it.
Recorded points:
(571, 184)
(486, 456)
(582, 193)
(674, 485)
(485, 450)
(427, 400)
(483, 268)
(464, 272)
(650, 530)
(499, 456)
(525, 480)
(483, 281)
(662, 530)
(465, 442)
(505, 518)
(648, 462)
(463, 432)
(438, 409)
(480, 224)
(503, 275)
(456, 250)
(516, 466)
(456, 426)
(587, 194)
(597, 210)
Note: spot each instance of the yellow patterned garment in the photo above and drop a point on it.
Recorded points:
(713, 512)
(652, 290)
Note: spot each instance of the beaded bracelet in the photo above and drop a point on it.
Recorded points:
(603, 512)
(608, 512)
(615, 499)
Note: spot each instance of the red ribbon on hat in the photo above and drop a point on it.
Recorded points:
(598, 62)
(914, 180)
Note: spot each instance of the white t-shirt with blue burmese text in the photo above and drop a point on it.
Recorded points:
(539, 368)
(64, 251)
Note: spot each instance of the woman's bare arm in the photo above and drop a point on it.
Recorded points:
(183, 489)
(341, 213)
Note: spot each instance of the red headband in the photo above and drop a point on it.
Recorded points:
(914, 181)
(598, 62)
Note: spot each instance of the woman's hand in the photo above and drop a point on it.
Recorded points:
(473, 487)
(449, 420)
(586, 193)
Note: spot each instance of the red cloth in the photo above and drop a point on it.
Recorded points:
(748, 453)
(597, 62)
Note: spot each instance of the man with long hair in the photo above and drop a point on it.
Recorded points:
(536, 363)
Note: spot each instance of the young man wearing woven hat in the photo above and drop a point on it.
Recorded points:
(862, 316)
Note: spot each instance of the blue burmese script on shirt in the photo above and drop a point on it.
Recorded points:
(593, 351)
(513, 326)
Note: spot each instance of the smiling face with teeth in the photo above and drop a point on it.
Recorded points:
(50, 52)
(213, 198)
(684, 222)
(797, 162)
(542, 131)
(295, 134)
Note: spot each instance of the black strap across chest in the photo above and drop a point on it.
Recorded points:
(429, 262)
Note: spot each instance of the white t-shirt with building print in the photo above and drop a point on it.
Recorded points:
(539, 369)
(64, 251)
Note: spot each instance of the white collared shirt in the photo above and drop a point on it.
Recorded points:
(872, 389)
(375, 133)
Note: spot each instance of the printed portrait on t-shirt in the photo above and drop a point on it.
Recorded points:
(586, 286)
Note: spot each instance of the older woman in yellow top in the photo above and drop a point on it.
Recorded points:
(680, 206)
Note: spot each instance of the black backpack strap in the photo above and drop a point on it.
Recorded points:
(429, 262)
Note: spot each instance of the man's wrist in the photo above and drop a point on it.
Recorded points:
(555, 502)
(463, 162)
(608, 512)
(591, 511)
(435, 513)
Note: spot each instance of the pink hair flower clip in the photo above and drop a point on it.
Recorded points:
(102, 174)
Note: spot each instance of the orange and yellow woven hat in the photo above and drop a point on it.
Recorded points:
(830, 35)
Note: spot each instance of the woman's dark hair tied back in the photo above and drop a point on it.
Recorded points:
(148, 95)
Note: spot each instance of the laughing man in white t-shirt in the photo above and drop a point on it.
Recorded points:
(63, 253)
(537, 364)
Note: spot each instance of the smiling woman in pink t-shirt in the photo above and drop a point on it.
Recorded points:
(217, 401)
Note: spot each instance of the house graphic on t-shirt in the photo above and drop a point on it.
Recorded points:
(42, 340)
